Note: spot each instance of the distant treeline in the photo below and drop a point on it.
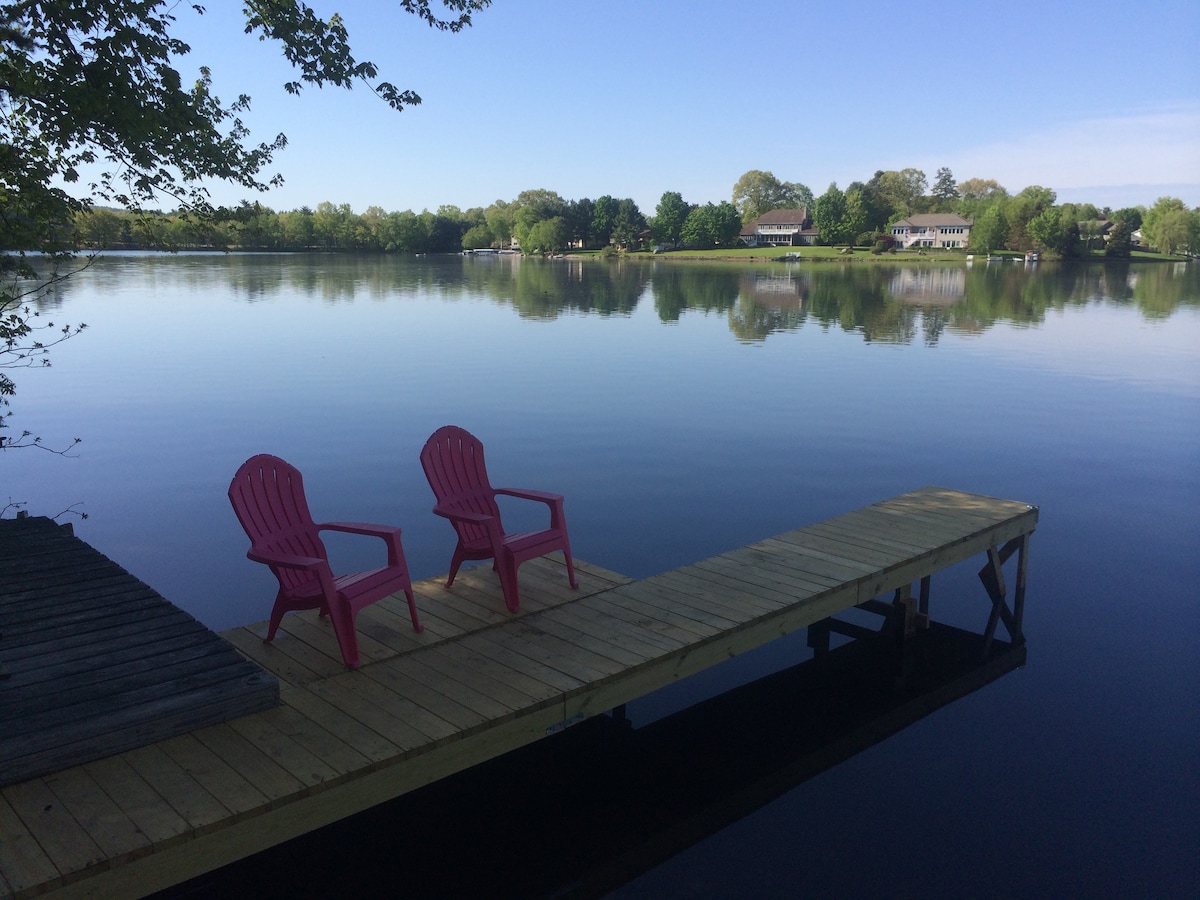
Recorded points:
(540, 221)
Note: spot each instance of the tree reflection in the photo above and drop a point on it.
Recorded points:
(705, 288)
(883, 303)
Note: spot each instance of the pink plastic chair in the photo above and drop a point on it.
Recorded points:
(268, 497)
(453, 462)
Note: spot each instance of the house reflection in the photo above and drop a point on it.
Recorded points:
(928, 287)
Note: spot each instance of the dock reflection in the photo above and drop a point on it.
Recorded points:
(591, 809)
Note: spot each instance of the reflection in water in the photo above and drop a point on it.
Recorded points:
(886, 303)
(705, 288)
(929, 287)
(582, 813)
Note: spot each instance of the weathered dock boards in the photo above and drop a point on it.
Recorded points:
(475, 685)
(95, 662)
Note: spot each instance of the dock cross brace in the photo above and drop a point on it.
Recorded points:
(992, 576)
(906, 614)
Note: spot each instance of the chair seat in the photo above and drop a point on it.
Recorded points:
(355, 584)
(536, 542)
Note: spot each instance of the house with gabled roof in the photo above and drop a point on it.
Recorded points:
(932, 230)
(780, 228)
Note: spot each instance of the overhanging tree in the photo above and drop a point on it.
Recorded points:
(93, 109)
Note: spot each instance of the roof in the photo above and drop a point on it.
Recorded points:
(784, 217)
(935, 220)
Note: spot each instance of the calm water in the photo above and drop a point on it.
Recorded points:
(685, 410)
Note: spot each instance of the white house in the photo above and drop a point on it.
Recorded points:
(781, 228)
(932, 230)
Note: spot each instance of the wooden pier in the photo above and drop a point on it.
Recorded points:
(93, 661)
(476, 684)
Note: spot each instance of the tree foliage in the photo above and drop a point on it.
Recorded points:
(94, 109)
(990, 230)
(757, 192)
(945, 190)
(1119, 244)
(829, 214)
(604, 218)
(981, 189)
(900, 193)
(1056, 229)
(712, 225)
(628, 224)
(669, 216)
(1130, 215)
(1168, 226)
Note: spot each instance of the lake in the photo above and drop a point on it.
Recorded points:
(686, 409)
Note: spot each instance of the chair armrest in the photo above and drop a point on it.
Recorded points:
(524, 494)
(383, 531)
(390, 534)
(462, 515)
(287, 560)
(554, 502)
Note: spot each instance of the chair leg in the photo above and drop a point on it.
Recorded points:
(412, 610)
(507, 570)
(455, 562)
(277, 612)
(570, 563)
(342, 618)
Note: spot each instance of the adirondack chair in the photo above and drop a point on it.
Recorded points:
(268, 497)
(453, 462)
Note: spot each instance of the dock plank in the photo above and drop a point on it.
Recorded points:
(153, 817)
(66, 842)
(221, 780)
(504, 652)
(190, 800)
(600, 637)
(23, 862)
(97, 813)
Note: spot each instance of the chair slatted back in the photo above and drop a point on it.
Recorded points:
(267, 494)
(454, 465)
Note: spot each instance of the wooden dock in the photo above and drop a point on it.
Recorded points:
(94, 662)
(475, 685)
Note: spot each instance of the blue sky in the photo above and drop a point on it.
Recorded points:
(1098, 100)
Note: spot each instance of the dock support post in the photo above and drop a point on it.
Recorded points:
(992, 576)
(1019, 593)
